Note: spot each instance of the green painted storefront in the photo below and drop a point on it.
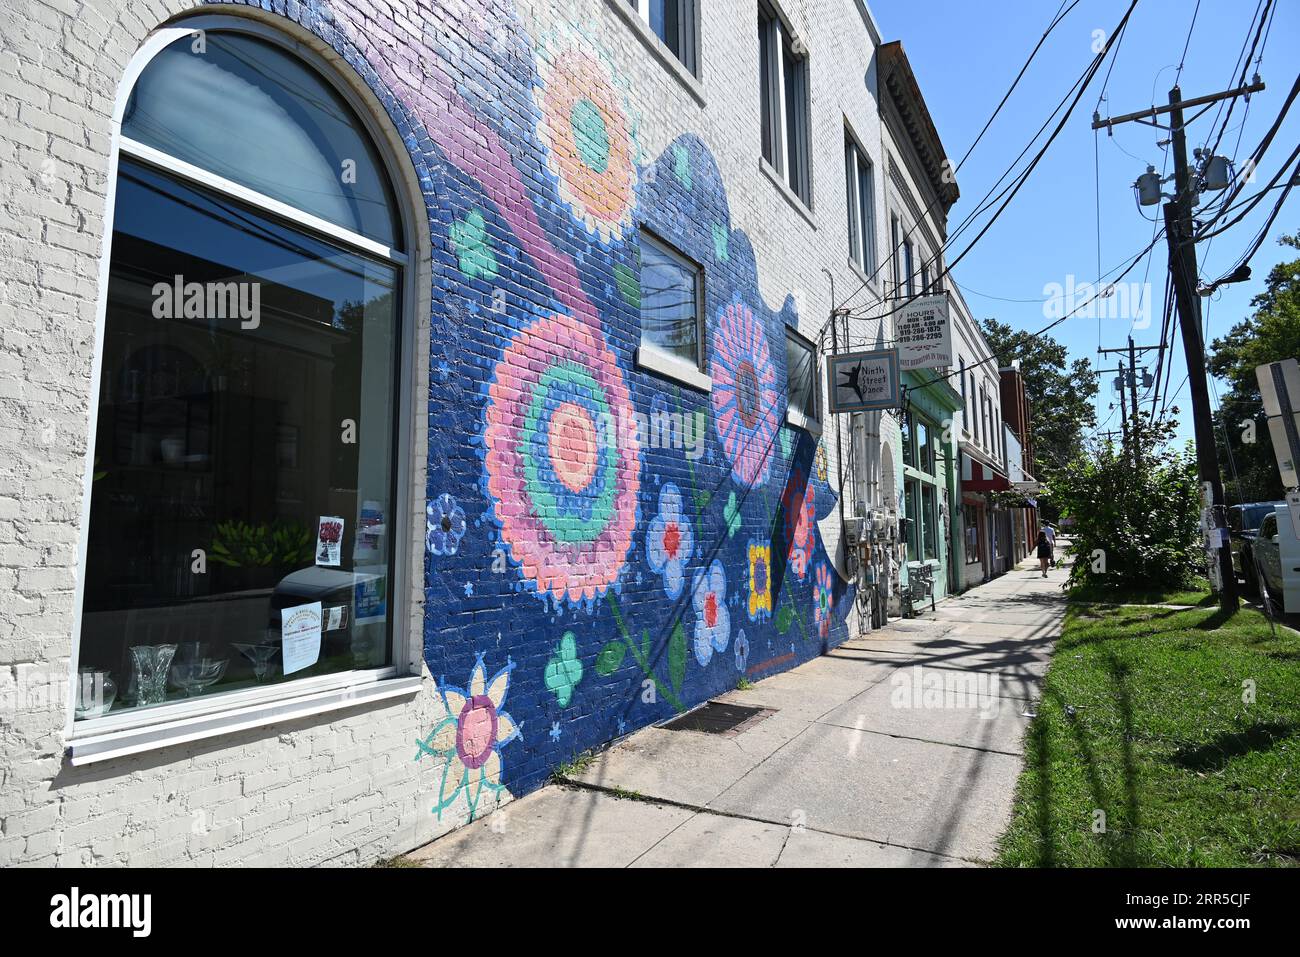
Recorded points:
(927, 474)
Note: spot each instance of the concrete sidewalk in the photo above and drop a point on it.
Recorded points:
(899, 749)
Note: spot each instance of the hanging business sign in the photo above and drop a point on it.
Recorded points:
(923, 334)
(1279, 388)
(863, 381)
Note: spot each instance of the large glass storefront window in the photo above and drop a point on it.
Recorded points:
(921, 488)
(241, 508)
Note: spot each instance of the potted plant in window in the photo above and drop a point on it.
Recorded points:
(255, 556)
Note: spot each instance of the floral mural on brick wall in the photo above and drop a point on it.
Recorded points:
(608, 567)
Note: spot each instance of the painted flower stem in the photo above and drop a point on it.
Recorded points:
(642, 659)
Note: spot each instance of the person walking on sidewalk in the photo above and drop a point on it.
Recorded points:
(1050, 532)
(1044, 551)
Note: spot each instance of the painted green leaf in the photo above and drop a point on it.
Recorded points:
(732, 515)
(677, 658)
(720, 242)
(629, 287)
(610, 657)
(645, 645)
(783, 619)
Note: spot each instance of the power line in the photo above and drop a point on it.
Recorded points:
(1263, 232)
(1187, 43)
(930, 206)
(1013, 188)
(1051, 325)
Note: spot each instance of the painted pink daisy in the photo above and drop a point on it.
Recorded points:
(468, 739)
(745, 400)
(563, 478)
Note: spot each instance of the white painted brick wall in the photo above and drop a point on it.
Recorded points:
(339, 788)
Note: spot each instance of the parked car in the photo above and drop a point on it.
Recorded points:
(1277, 558)
(1243, 525)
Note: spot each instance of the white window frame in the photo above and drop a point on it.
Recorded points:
(797, 417)
(776, 32)
(687, 28)
(862, 247)
(653, 357)
(896, 253)
(130, 732)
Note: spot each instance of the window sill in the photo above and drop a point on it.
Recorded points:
(671, 367)
(659, 49)
(790, 195)
(800, 421)
(867, 281)
(106, 738)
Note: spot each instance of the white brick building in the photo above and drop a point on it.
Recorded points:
(319, 769)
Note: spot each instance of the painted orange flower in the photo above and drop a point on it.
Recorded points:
(589, 141)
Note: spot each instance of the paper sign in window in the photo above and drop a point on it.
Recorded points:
(300, 628)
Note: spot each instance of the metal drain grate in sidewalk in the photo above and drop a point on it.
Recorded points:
(718, 717)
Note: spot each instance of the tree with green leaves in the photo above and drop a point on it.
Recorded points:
(1270, 335)
(1060, 392)
(1134, 528)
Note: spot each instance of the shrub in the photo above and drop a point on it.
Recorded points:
(1142, 524)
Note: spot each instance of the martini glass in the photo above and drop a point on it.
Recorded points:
(260, 656)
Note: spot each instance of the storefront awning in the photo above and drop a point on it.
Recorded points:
(978, 476)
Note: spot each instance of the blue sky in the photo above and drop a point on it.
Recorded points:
(965, 60)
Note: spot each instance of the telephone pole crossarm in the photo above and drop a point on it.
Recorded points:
(1154, 111)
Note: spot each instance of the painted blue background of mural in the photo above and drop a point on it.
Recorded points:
(569, 687)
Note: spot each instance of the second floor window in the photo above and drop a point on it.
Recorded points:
(801, 375)
(896, 253)
(859, 192)
(783, 84)
(673, 22)
(670, 301)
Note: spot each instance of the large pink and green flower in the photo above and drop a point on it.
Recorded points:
(469, 737)
(563, 476)
(745, 399)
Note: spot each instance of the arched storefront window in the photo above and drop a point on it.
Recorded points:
(242, 507)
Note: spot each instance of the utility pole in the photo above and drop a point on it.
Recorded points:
(1123, 414)
(1133, 394)
(1180, 236)
(1182, 264)
(1131, 382)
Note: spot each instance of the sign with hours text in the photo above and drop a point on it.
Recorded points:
(923, 333)
(863, 381)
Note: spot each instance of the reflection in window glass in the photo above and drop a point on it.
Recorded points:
(905, 428)
(665, 22)
(912, 506)
(971, 521)
(250, 112)
(924, 450)
(801, 375)
(929, 521)
(228, 485)
(669, 301)
(867, 214)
